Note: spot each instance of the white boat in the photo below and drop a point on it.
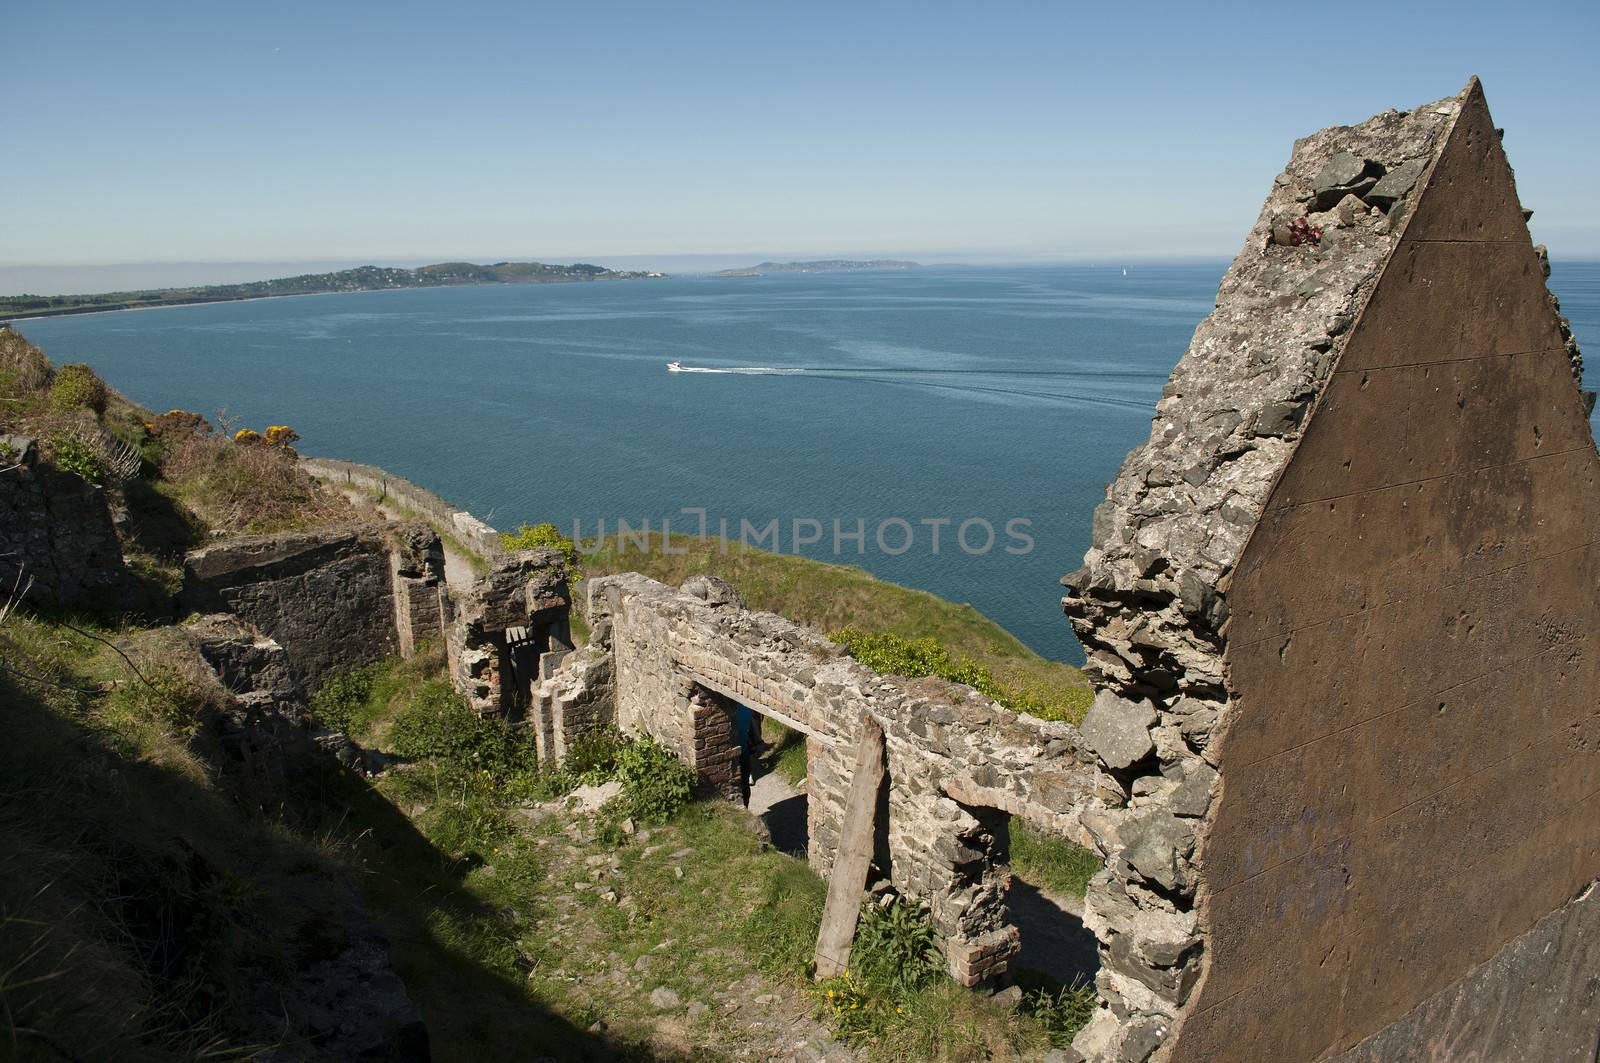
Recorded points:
(674, 367)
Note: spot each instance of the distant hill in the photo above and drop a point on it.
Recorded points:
(825, 265)
(360, 279)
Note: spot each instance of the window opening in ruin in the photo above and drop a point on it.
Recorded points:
(1045, 903)
(520, 650)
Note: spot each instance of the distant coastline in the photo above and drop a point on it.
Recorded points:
(826, 265)
(359, 279)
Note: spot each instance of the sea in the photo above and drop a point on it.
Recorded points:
(946, 428)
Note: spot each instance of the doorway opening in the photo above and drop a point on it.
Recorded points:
(1039, 880)
(519, 651)
(769, 761)
(1044, 901)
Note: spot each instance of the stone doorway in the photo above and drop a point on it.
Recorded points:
(1021, 877)
(780, 806)
(778, 799)
(1044, 903)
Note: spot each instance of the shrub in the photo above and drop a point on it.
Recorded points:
(895, 946)
(177, 426)
(76, 387)
(75, 456)
(281, 435)
(338, 701)
(437, 725)
(593, 757)
(1062, 1012)
(248, 488)
(893, 654)
(655, 783)
(24, 365)
(530, 536)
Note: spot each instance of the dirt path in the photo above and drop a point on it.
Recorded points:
(458, 571)
(781, 808)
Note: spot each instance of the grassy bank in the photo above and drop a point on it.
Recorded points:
(829, 597)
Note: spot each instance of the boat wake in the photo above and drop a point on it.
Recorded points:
(747, 370)
(918, 378)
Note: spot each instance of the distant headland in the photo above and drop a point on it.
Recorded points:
(359, 279)
(826, 265)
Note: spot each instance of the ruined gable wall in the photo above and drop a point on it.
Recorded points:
(1148, 605)
(1393, 677)
(1411, 771)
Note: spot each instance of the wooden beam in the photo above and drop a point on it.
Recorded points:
(848, 882)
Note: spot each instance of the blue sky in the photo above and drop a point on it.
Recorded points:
(339, 131)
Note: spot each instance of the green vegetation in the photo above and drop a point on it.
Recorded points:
(360, 279)
(77, 457)
(570, 942)
(1061, 1010)
(246, 488)
(829, 597)
(476, 887)
(1053, 864)
(77, 387)
(786, 751)
(532, 536)
(656, 785)
(893, 654)
(146, 911)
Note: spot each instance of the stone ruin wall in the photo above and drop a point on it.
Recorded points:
(334, 600)
(950, 752)
(525, 589)
(1340, 613)
(58, 541)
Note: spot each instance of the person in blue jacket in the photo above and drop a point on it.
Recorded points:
(747, 732)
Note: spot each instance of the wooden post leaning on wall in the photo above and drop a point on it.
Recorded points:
(848, 882)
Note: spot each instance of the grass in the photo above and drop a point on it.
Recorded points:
(787, 751)
(145, 910)
(248, 489)
(701, 906)
(511, 923)
(828, 597)
(1051, 863)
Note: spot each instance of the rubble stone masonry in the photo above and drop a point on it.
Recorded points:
(1341, 613)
